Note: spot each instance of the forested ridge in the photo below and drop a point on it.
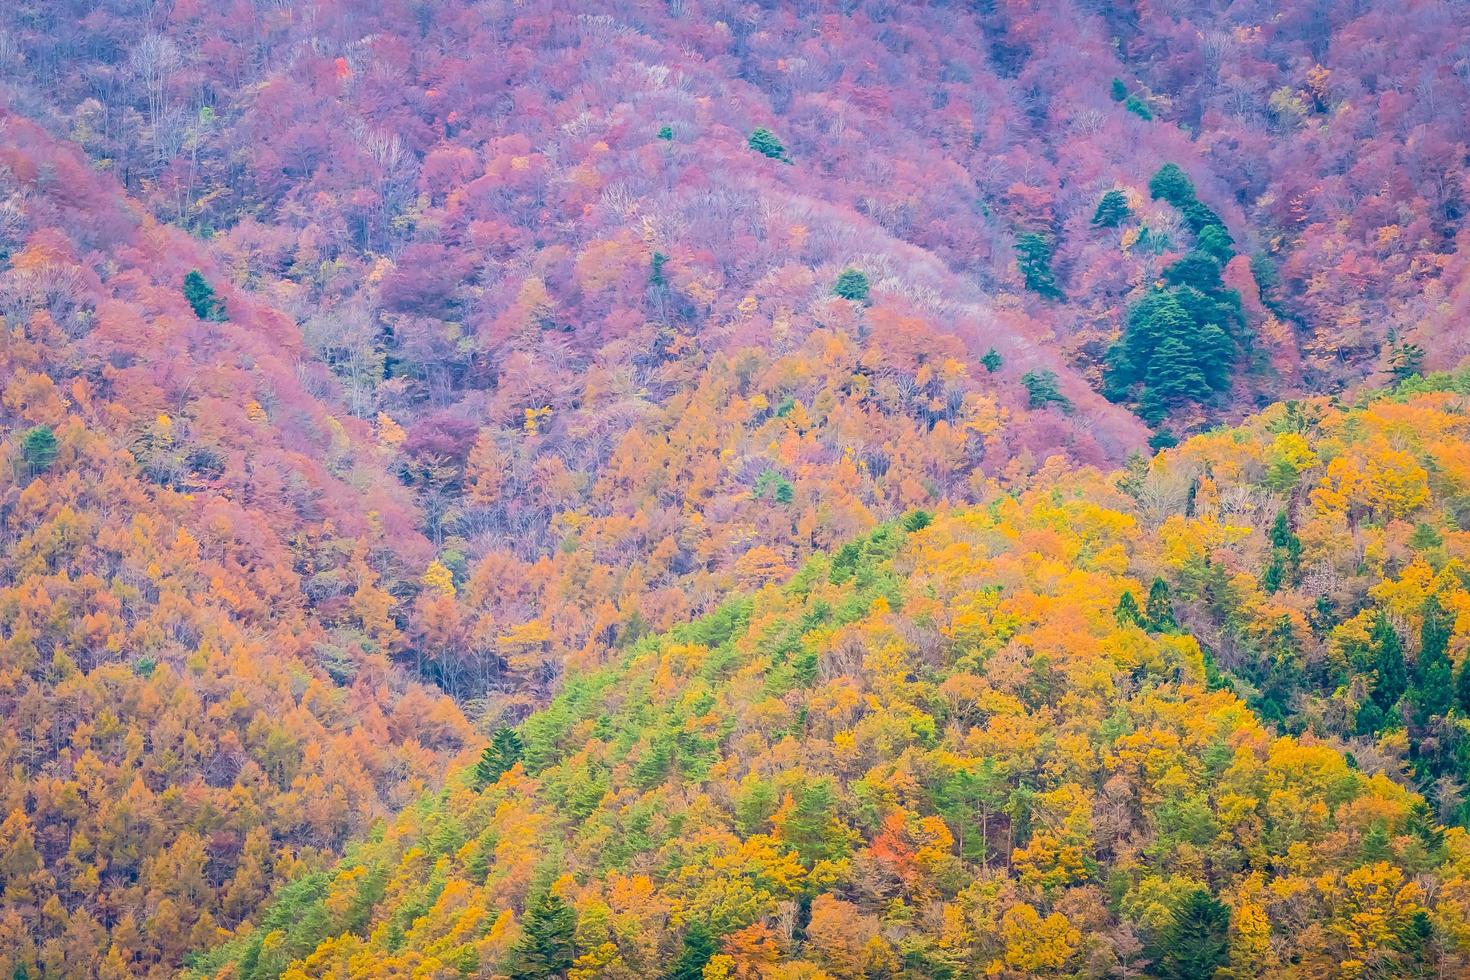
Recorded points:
(646, 393)
(983, 742)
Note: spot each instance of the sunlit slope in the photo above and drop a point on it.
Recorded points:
(973, 745)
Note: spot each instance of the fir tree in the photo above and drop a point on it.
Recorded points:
(1196, 942)
(1033, 255)
(1174, 374)
(201, 297)
(1388, 660)
(547, 944)
(38, 448)
(1160, 608)
(991, 361)
(1119, 90)
(1171, 184)
(503, 752)
(1112, 210)
(764, 141)
(1127, 612)
(699, 949)
(1042, 389)
(1433, 673)
(853, 285)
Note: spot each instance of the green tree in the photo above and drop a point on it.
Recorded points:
(1119, 91)
(852, 284)
(1433, 674)
(1139, 108)
(699, 948)
(1042, 389)
(1160, 608)
(1462, 688)
(1112, 210)
(1127, 612)
(1196, 269)
(1392, 677)
(666, 133)
(764, 141)
(547, 945)
(1174, 374)
(1033, 255)
(992, 361)
(1196, 942)
(38, 448)
(201, 297)
(1172, 184)
(503, 752)
(1216, 242)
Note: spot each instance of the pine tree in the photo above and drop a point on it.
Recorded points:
(1033, 255)
(38, 448)
(1112, 210)
(1433, 673)
(1174, 374)
(1119, 90)
(1171, 184)
(547, 945)
(201, 297)
(992, 361)
(1127, 612)
(1196, 942)
(699, 949)
(765, 142)
(1042, 389)
(1160, 608)
(1388, 659)
(853, 285)
(1139, 108)
(1462, 688)
(503, 752)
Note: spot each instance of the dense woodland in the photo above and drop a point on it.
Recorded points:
(901, 489)
(984, 742)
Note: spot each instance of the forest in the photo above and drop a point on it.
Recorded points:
(701, 490)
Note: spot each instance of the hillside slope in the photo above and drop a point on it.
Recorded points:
(977, 744)
(194, 680)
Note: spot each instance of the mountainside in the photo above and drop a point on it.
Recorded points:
(196, 698)
(973, 744)
(382, 379)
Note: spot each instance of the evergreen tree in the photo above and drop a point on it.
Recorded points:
(765, 142)
(1112, 210)
(699, 949)
(1139, 108)
(38, 448)
(666, 133)
(1433, 674)
(1171, 184)
(1127, 612)
(547, 945)
(1462, 688)
(991, 361)
(1216, 242)
(1174, 375)
(1033, 255)
(1197, 269)
(503, 752)
(853, 285)
(201, 297)
(1119, 90)
(1160, 608)
(1041, 387)
(1196, 942)
(1388, 662)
